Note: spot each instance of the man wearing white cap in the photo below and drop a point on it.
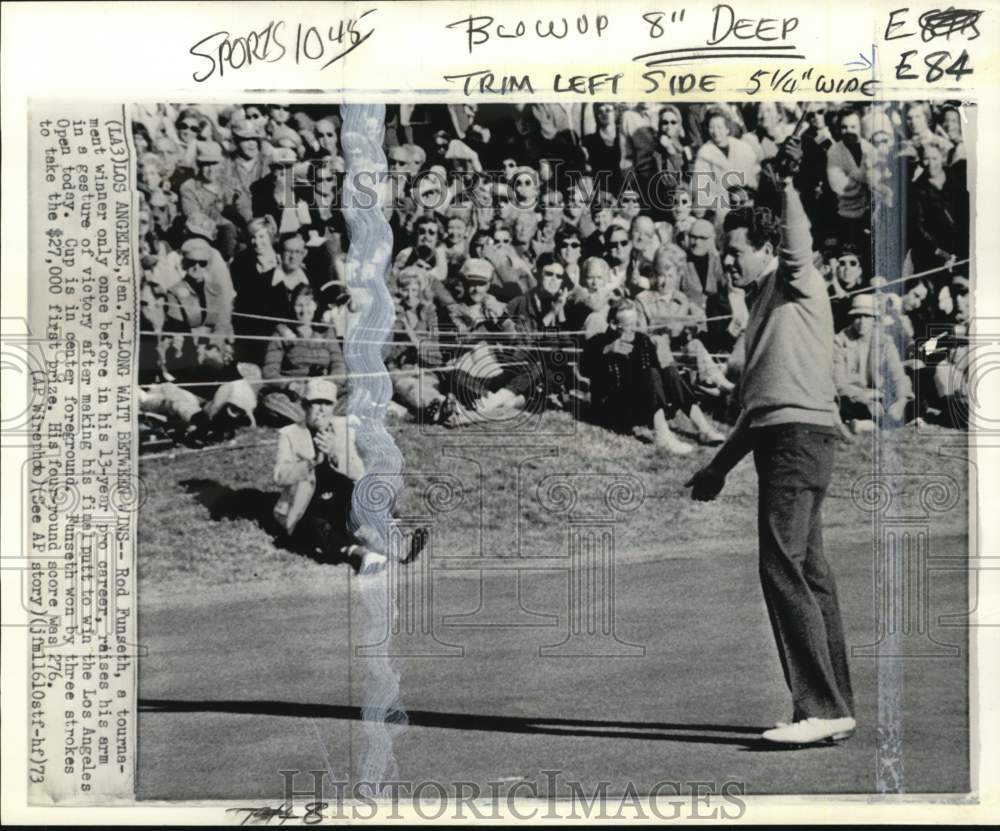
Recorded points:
(871, 384)
(318, 465)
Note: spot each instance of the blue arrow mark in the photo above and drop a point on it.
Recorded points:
(865, 63)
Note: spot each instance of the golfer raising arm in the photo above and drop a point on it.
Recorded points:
(787, 420)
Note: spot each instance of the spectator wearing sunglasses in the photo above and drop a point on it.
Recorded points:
(673, 153)
(543, 308)
(512, 271)
(200, 302)
(201, 306)
(188, 129)
(673, 159)
(568, 249)
(429, 233)
(523, 187)
(322, 194)
(167, 269)
(848, 279)
(618, 253)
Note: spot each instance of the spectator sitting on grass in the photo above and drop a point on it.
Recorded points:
(416, 352)
(674, 321)
(872, 386)
(626, 383)
(318, 465)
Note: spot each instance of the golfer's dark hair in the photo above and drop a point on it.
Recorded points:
(761, 224)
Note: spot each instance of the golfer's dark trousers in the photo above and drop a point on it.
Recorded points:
(794, 463)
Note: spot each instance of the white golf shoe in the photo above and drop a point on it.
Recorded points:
(811, 731)
(672, 444)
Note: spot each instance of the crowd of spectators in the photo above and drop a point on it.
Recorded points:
(544, 255)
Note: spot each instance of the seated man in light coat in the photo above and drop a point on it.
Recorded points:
(872, 385)
(318, 465)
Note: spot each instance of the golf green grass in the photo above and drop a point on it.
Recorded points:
(250, 668)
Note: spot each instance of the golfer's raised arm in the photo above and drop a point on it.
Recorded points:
(796, 252)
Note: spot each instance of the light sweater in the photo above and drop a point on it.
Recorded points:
(788, 376)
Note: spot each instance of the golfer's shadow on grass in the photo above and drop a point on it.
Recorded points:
(256, 505)
(743, 736)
